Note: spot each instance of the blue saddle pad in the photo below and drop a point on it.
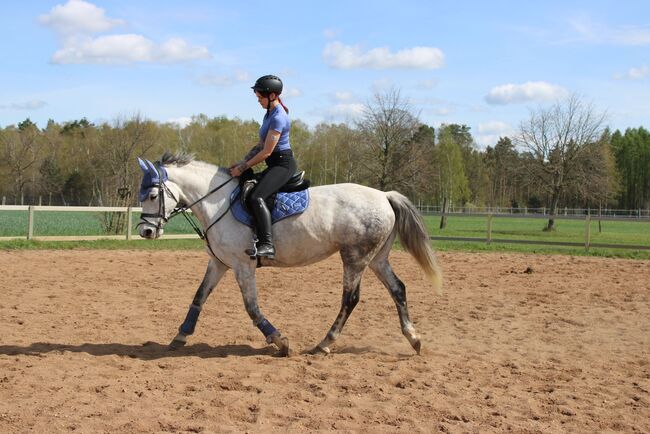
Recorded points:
(286, 205)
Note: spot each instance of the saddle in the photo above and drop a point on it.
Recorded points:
(296, 183)
(291, 199)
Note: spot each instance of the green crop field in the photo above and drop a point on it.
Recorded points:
(71, 223)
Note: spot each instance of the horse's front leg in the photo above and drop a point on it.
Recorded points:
(213, 274)
(245, 276)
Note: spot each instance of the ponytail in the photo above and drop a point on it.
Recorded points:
(283, 106)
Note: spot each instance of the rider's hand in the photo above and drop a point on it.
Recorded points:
(234, 171)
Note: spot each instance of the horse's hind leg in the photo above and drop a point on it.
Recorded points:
(213, 274)
(397, 290)
(351, 288)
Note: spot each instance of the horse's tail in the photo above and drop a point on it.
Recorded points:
(414, 236)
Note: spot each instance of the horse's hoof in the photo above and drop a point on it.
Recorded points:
(282, 343)
(176, 344)
(417, 346)
(283, 352)
(318, 350)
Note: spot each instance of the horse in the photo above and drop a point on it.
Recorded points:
(358, 222)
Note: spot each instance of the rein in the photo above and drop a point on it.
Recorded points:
(182, 209)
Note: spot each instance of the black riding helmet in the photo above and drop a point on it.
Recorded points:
(268, 84)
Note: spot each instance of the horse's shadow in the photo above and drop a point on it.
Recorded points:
(146, 351)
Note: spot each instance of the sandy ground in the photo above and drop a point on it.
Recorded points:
(84, 334)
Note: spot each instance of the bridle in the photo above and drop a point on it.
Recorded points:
(163, 190)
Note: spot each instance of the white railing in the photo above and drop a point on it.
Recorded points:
(496, 210)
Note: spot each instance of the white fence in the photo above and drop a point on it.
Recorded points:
(604, 212)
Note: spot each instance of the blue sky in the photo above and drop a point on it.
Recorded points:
(484, 64)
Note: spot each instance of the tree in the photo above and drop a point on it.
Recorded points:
(449, 169)
(562, 143)
(20, 147)
(503, 165)
(390, 158)
(632, 153)
(330, 155)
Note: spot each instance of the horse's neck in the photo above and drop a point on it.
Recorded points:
(195, 181)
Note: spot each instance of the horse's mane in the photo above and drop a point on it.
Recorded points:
(179, 158)
(182, 158)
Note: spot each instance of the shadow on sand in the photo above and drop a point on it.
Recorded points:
(146, 351)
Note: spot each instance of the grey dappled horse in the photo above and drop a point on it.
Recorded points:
(359, 222)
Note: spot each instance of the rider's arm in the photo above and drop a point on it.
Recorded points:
(272, 138)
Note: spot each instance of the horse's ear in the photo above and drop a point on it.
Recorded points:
(154, 172)
(143, 165)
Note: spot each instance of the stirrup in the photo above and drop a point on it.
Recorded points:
(270, 254)
(252, 252)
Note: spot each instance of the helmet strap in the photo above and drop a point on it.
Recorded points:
(268, 102)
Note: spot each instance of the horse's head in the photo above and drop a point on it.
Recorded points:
(159, 198)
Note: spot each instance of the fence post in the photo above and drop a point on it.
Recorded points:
(4, 200)
(443, 217)
(129, 223)
(587, 231)
(30, 222)
(489, 229)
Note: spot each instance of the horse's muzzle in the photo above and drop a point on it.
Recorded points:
(150, 233)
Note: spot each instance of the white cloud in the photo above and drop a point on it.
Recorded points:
(78, 16)
(34, 104)
(490, 132)
(126, 48)
(635, 73)
(338, 55)
(485, 140)
(181, 122)
(77, 21)
(521, 93)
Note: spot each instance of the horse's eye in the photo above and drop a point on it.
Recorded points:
(153, 196)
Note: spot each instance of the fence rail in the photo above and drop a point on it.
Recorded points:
(626, 214)
(587, 244)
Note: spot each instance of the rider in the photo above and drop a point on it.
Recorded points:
(273, 148)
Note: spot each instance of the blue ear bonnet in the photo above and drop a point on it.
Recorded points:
(151, 177)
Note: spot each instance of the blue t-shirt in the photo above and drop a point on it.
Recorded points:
(277, 120)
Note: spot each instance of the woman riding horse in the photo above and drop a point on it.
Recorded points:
(274, 149)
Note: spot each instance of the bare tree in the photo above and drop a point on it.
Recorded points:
(390, 157)
(21, 148)
(562, 146)
(117, 174)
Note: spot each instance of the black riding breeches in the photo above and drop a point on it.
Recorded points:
(281, 167)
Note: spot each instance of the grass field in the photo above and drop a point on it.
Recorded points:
(14, 223)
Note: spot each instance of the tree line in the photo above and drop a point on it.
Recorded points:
(562, 156)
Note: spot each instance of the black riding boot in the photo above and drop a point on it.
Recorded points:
(262, 215)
